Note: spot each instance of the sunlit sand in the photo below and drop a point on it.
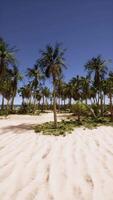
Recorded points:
(36, 167)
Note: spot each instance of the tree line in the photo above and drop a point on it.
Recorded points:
(91, 89)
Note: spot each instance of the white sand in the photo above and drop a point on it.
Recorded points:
(35, 167)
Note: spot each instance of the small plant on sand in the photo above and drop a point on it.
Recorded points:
(92, 122)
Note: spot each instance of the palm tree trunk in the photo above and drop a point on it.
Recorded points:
(98, 97)
(23, 101)
(64, 102)
(59, 105)
(86, 101)
(79, 113)
(104, 104)
(7, 105)
(54, 105)
(43, 103)
(111, 106)
(12, 103)
(2, 105)
(34, 98)
(101, 100)
(70, 101)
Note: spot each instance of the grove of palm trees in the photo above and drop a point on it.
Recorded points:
(88, 98)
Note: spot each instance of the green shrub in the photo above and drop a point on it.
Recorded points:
(4, 112)
(95, 108)
(79, 108)
(28, 109)
(63, 127)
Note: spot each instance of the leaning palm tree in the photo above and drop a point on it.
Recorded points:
(52, 63)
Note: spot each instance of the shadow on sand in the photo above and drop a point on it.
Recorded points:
(17, 128)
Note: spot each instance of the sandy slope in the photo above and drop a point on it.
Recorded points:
(76, 167)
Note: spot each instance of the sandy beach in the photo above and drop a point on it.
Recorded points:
(36, 167)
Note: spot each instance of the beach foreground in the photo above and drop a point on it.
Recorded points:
(36, 167)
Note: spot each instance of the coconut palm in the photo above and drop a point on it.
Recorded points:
(97, 69)
(109, 84)
(6, 88)
(25, 92)
(52, 63)
(60, 88)
(16, 77)
(67, 92)
(6, 56)
(36, 77)
(45, 94)
(85, 87)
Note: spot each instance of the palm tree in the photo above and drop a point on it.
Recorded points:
(77, 93)
(85, 86)
(109, 83)
(38, 96)
(45, 94)
(16, 76)
(51, 63)
(6, 56)
(75, 83)
(96, 68)
(6, 88)
(60, 88)
(36, 76)
(26, 93)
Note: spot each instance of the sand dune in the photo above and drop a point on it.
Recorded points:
(36, 167)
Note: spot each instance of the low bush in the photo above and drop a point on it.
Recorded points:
(63, 127)
(28, 109)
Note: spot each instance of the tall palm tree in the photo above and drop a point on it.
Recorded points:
(52, 63)
(45, 94)
(67, 92)
(77, 93)
(109, 84)
(6, 88)
(75, 83)
(6, 56)
(85, 86)
(60, 88)
(36, 76)
(26, 93)
(16, 77)
(97, 69)
(21, 92)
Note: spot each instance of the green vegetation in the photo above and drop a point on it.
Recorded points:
(66, 127)
(84, 96)
(63, 127)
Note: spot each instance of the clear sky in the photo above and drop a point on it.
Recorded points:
(85, 27)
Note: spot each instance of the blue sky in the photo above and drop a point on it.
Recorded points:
(85, 27)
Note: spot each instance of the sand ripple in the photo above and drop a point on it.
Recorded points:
(34, 167)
